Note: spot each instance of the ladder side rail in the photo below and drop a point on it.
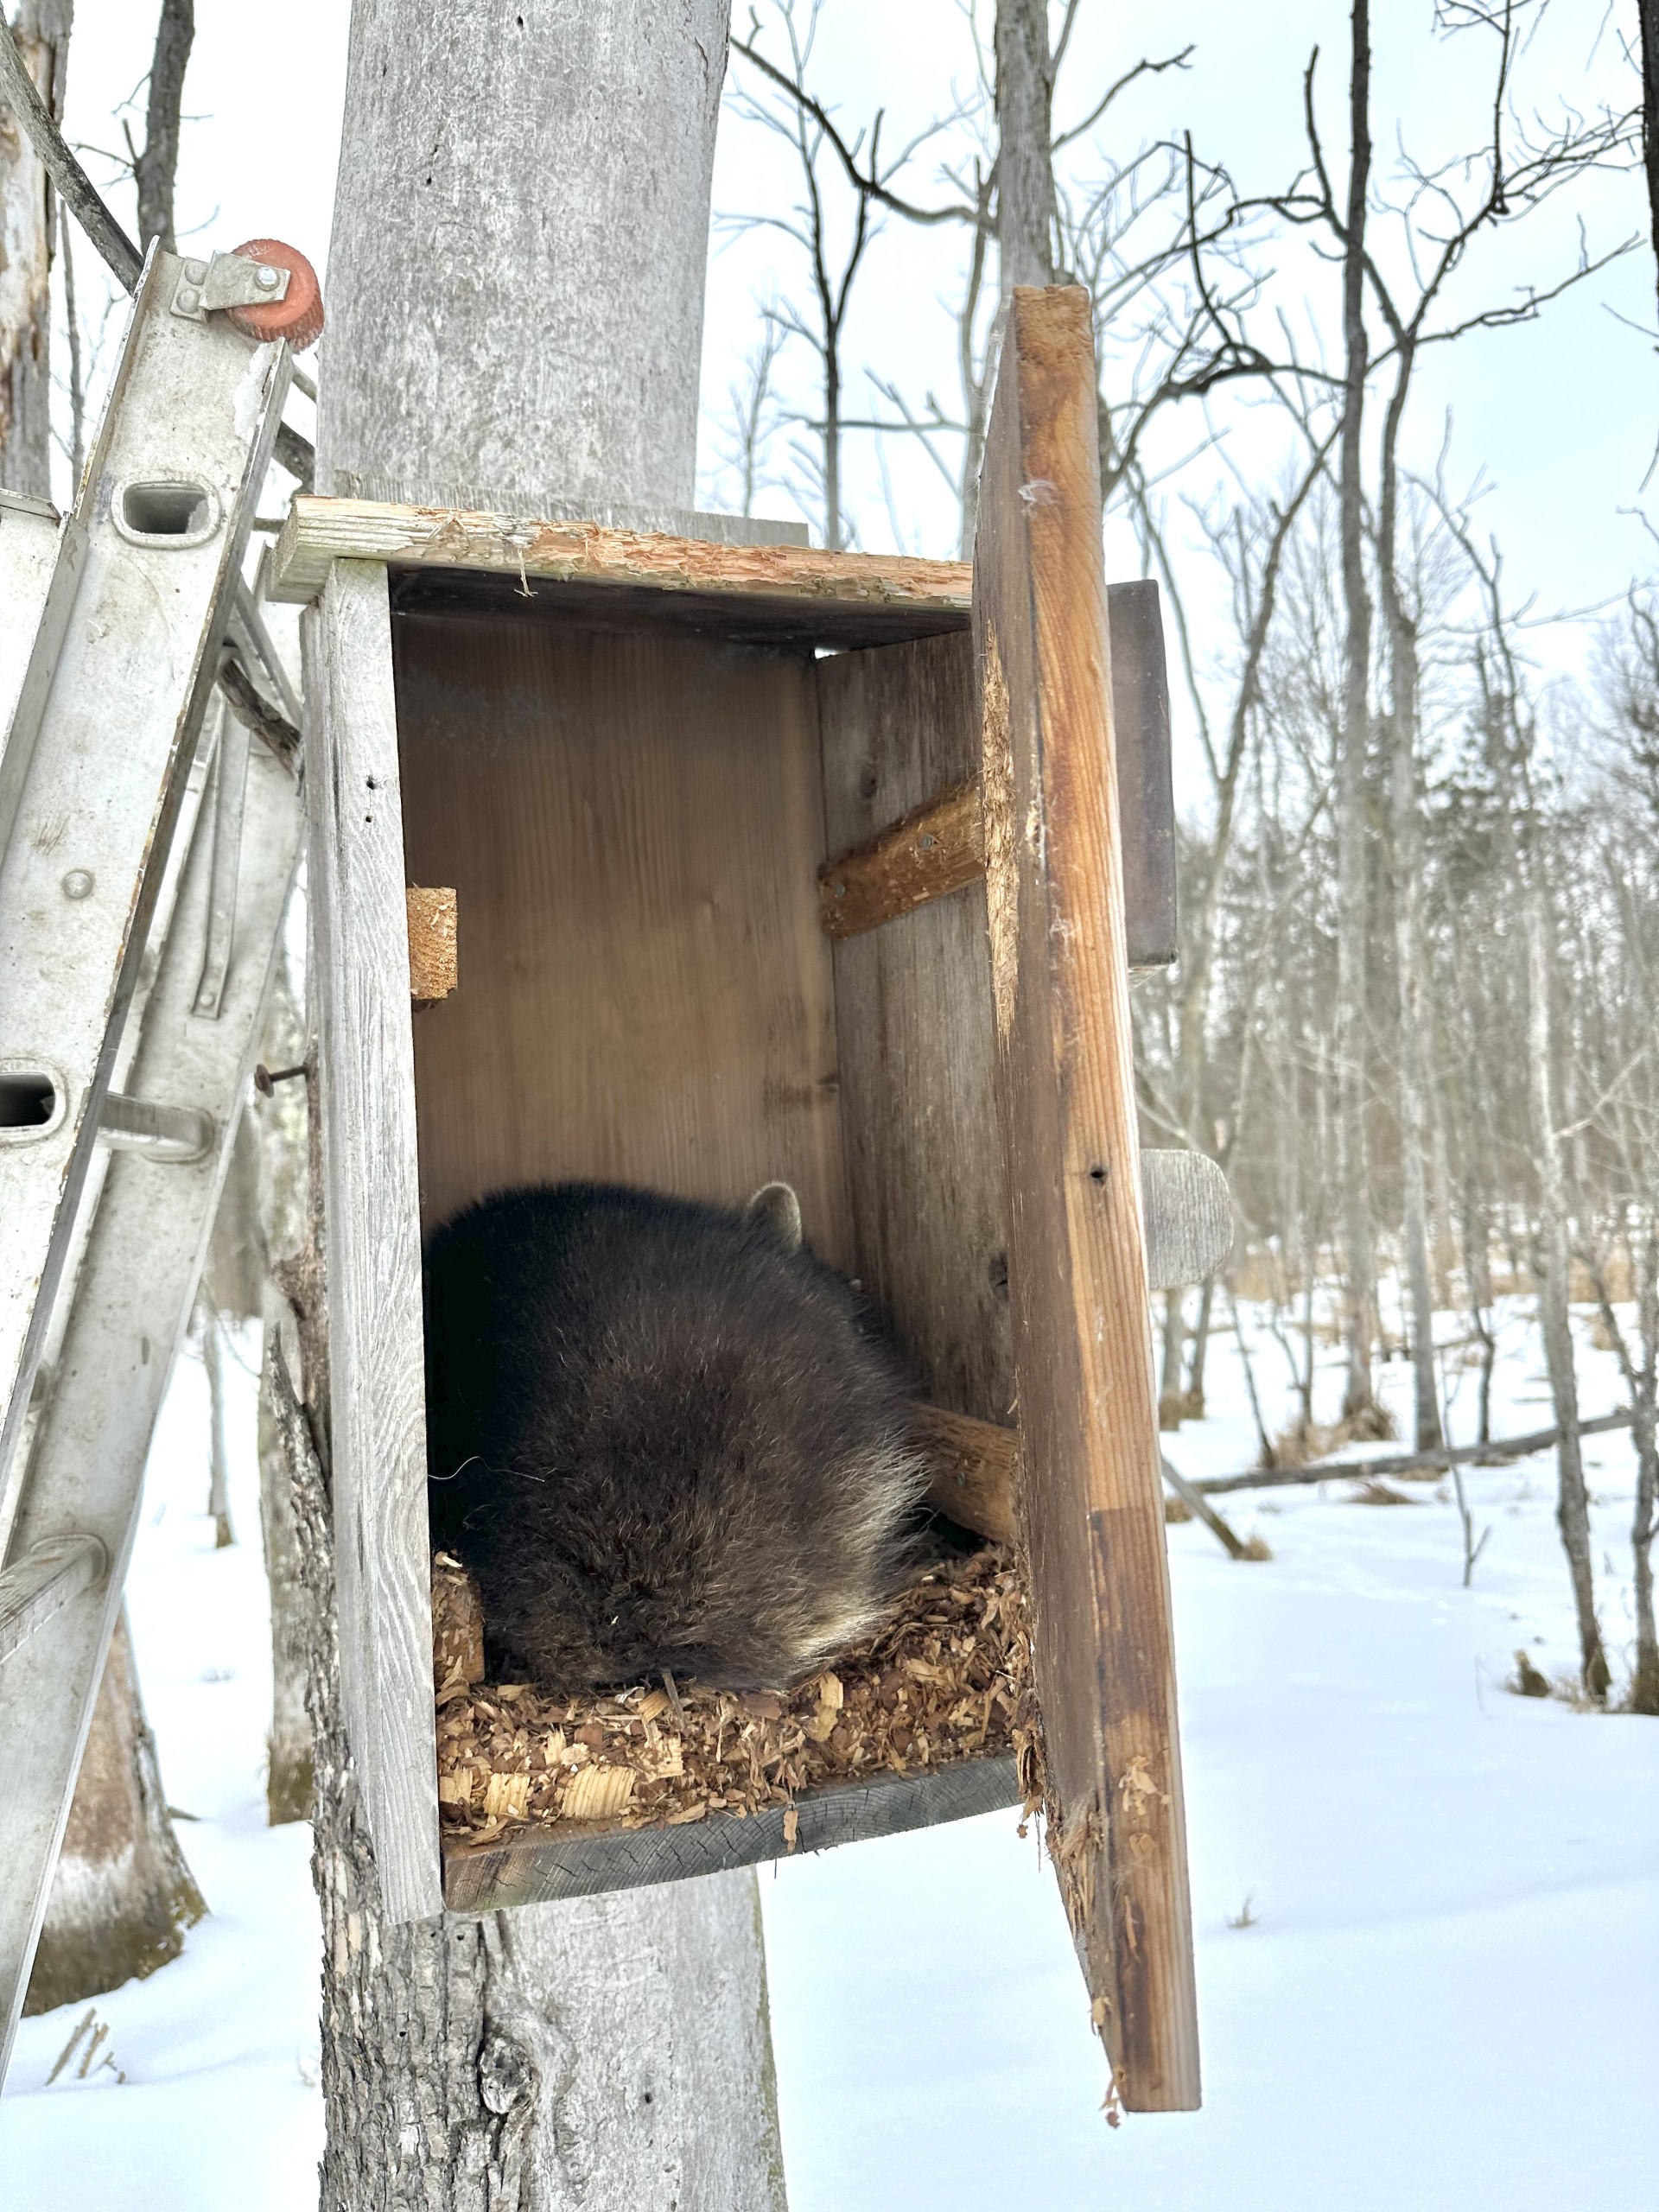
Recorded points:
(165, 510)
(200, 786)
(137, 1283)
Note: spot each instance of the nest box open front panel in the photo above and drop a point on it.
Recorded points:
(630, 820)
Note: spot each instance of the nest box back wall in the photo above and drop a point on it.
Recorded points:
(632, 821)
(916, 1044)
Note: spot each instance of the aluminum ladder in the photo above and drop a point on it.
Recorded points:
(147, 852)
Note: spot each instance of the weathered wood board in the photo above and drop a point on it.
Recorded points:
(771, 591)
(1076, 1250)
(360, 979)
(914, 1035)
(531, 1868)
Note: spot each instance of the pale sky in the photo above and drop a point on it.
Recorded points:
(1560, 417)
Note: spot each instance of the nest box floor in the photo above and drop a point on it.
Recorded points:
(948, 1679)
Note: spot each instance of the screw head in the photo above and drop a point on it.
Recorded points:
(78, 884)
(265, 278)
(189, 298)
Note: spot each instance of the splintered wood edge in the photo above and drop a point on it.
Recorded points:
(319, 532)
(543, 1868)
(434, 964)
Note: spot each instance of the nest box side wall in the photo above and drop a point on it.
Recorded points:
(899, 724)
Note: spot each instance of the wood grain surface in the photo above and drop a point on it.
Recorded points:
(360, 975)
(939, 846)
(914, 1037)
(633, 827)
(934, 849)
(531, 1868)
(319, 532)
(1076, 1248)
(975, 1467)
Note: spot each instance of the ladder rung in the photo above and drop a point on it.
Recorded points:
(179, 1132)
(42, 1582)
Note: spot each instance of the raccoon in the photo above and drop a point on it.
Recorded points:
(662, 1437)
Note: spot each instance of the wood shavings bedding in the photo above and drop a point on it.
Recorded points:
(948, 1678)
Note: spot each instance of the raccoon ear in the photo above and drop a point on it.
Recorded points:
(777, 1208)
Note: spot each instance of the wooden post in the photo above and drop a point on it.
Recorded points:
(1093, 1507)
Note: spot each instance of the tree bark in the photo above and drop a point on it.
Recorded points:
(515, 292)
(1572, 1502)
(1025, 164)
(1644, 1401)
(1358, 1400)
(516, 275)
(123, 1895)
(28, 218)
(279, 1127)
(1648, 16)
(1410, 952)
(157, 167)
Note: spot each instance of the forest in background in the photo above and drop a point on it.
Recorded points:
(1413, 1016)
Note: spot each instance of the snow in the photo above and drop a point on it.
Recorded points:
(1446, 1993)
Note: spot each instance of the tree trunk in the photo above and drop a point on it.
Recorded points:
(219, 1447)
(1573, 1504)
(1410, 953)
(1648, 14)
(287, 1748)
(1025, 165)
(515, 293)
(123, 1895)
(1358, 1400)
(28, 217)
(516, 274)
(158, 164)
(1644, 1673)
(278, 1126)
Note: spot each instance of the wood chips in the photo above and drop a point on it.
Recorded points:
(948, 1678)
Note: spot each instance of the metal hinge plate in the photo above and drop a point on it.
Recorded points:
(229, 280)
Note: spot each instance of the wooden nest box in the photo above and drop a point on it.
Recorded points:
(749, 862)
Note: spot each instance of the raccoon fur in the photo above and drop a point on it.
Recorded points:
(661, 1437)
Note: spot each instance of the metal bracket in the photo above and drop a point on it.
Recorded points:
(165, 1133)
(229, 280)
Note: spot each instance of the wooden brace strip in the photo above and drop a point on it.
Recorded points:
(975, 1466)
(434, 967)
(936, 849)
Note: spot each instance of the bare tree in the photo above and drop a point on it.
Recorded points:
(122, 1896)
(1025, 170)
(28, 221)
(821, 151)
(155, 165)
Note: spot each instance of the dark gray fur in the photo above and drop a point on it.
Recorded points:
(660, 1439)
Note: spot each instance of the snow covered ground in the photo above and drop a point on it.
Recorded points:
(1446, 1992)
